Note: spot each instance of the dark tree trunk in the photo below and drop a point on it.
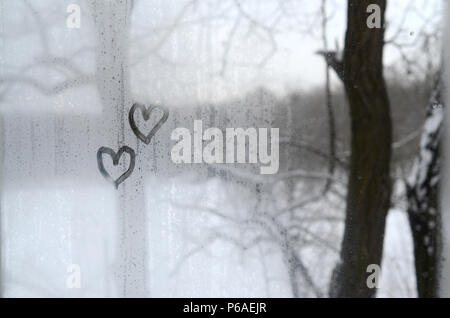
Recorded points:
(422, 191)
(369, 186)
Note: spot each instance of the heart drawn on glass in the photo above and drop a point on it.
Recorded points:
(146, 112)
(115, 157)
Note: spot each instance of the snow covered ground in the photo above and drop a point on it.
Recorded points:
(398, 272)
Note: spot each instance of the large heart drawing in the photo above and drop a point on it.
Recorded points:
(146, 111)
(115, 157)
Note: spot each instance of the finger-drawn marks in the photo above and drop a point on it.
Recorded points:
(116, 157)
(146, 112)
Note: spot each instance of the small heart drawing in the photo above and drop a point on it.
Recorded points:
(146, 111)
(115, 157)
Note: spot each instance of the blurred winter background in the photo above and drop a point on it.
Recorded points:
(194, 230)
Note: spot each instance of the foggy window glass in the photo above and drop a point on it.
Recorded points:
(232, 148)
